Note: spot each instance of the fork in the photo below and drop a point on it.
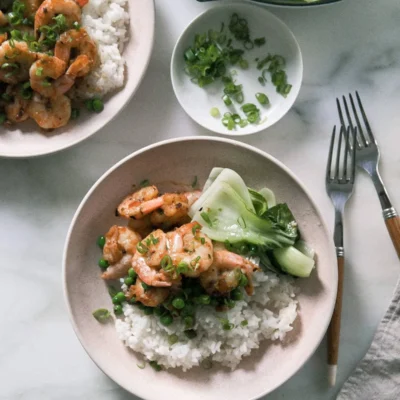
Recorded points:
(339, 183)
(367, 158)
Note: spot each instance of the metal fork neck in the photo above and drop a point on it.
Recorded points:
(384, 199)
(338, 230)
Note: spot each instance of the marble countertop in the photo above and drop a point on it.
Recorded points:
(351, 45)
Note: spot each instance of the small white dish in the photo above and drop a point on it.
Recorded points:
(27, 140)
(197, 102)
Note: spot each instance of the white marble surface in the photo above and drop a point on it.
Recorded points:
(348, 46)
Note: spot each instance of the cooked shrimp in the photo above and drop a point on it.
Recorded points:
(120, 240)
(3, 37)
(167, 210)
(3, 19)
(151, 297)
(225, 273)
(50, 113)
(190, 248)
(47, 67)
(142, 226)
(51, 8)
(31, 6)
(16, 110)
(15, 62)
(118, 250)
(174, 210)
(147, 260)
(139, 204)
(79, 40)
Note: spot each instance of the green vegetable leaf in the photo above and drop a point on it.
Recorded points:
(283, 218)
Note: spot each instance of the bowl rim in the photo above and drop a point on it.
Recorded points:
(144, 67)
(224, 4)
(300, 5)
(109, 371)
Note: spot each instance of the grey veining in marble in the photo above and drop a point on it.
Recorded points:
(351, 45)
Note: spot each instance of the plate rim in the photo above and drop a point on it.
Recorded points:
(332, 254)
(141, 75)
(224, 4)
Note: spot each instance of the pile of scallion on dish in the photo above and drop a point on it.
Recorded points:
(212, 53)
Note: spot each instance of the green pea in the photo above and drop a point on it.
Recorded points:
(190, 334)
(230, 303)
(178, 303)
(243, 280)
(148, 310)
(214, 301)
(118, 309)
(2, 118)
(204, 299)
(155, 366)
(227, 326)
(128, 281)
(103, 263)
(120, 296)
(188, 321)
(158, 311)
(166, 319)
(172, 339)
(132, 273)
(197, 291)
(89, 104)
(97, 105)
(101, 241)
(236, 294)
(75, 113)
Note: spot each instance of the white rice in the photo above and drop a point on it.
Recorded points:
(107, 22)
(269, 313)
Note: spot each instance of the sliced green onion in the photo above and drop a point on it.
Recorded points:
(190, 334)
(172, 339)
(243, 64)
(2, 118)
(206, 218)
(227, 100)
(214, 112)
(102, 315)
(39, 71)
(259, 41)
(262, 98)
(166, 263)
(141, 248)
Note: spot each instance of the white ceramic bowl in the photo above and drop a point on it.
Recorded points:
(27, 140)
(197, 102)
(267, 367)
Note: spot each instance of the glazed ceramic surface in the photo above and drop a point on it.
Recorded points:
(197, 102)
(267, 367)
(28, 140)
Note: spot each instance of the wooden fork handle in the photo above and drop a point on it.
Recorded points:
(334, 326)
(393, 226)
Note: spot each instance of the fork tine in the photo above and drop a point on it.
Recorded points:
(355, 113)
(364, 143)
(342, 119)
(339, 149)
(346, 152)
(329, 165)
(353, 156)
(366, 122)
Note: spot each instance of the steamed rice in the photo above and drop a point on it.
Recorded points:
(269, 313)
(107, 22)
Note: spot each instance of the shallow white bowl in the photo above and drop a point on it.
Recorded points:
(197, 102)
(27, 140)
(267, 367)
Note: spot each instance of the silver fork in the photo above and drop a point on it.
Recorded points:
(368, 156)
(339, 183)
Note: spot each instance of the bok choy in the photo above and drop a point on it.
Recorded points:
(250, 223)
